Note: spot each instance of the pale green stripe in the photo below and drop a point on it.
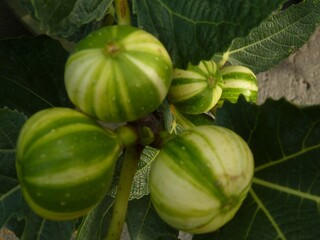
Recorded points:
(208, 67)
(237, 83)
(58, 133)
(183, 92)
(187, 155)
(236, 69)
(100, 102)
(41, 120)
(153, 76)
(73, 175)
(188, 74)
(77, 66)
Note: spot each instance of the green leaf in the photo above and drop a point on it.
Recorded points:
(39, 228)
(284, 202)
(95, 224)
(10, 194)
(144, 223)
(31, 74)
(10, 204)
(70, 19)
(140, 186)
(195, 30)
(276, 38)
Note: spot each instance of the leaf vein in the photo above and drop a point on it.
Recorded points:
(29, 90)
(286, 158)
(290, 191)
(267, 213)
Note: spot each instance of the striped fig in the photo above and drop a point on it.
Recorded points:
(118, 74)
(200, 178)
(65, 162)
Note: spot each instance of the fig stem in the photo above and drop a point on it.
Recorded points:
(122, 12)
(128, 135)
(119, 211)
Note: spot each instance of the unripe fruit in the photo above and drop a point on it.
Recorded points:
(65, 162)
(197, 89)
(118, 74)
(200, 178)
(238, 80)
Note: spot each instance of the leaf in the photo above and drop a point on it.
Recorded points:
(68, 19)
(95, 224)
(31, 74)
(195, 30)
(144, 223)
(284, 201)
(10, 194)
(39, 228)
(140, 186)
(276, 38)
(10, 204)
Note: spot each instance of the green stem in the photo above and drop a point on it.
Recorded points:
(128, 169)
(224, 59)
(122, 12)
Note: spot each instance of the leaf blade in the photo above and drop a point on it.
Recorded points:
(39, 228)
(68, 19)
(276, 38)
(144, 223)
(208, 26)
(31, 74)
(10, 194)
(95, 224)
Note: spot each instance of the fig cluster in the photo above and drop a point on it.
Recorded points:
(120, 74)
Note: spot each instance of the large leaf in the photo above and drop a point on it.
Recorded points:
(144, 223)
(194, 30)
(95, 224)
(39, 228)
(71, 19)
(31, 74)
(276, 38)
(10, 194)
(284, 202)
